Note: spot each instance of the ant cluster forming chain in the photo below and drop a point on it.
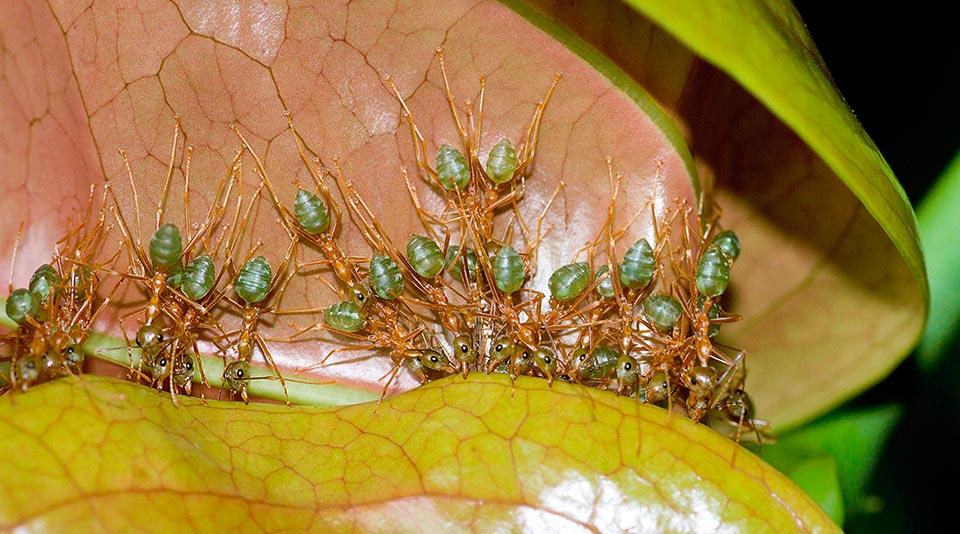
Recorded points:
(452, 301)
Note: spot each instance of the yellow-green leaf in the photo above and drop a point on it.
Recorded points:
(93, 453)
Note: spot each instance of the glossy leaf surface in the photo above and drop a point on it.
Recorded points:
(96, 453)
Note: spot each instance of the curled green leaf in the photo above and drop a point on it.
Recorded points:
(832, 282)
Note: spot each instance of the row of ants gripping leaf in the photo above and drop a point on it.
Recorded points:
(456, 298)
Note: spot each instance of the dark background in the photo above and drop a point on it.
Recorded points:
(898, 70)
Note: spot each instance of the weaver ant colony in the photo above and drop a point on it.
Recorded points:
(453, 299)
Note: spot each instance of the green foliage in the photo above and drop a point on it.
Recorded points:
(939, 218)
(852, 440)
